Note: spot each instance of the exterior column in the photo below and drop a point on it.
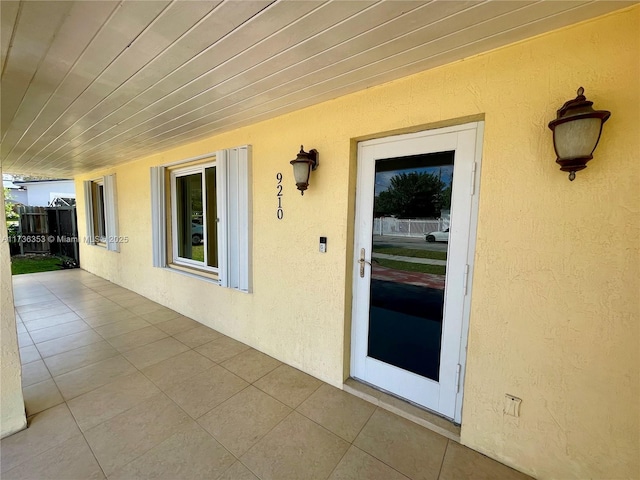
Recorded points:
(12, 415)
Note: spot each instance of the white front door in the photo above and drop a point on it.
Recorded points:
(416, 212)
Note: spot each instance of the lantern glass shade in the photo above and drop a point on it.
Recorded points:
(303, 164)
(301, 171)
(576, 132)
(577, 138)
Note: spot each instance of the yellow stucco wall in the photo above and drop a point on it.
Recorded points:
(555, 312)
(12, 415)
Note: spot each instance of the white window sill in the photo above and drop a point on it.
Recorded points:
(194, 272)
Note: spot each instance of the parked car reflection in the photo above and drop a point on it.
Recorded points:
(437, 236)
(196, 233)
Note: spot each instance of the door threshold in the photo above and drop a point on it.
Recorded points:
(403, 408)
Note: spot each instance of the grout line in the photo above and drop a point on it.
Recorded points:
(341, 458)
(95, 388)
(49, 371)
(33, 344)
(162, 392)
(443, 456)
(54, 325)
(366, 422)
(82, 366)
(236, 459)
(292, 410)
(370, 453)
(53, 378)
(109, 358)
(65, 336)
(257, 379)
(91, 450)
(230, 466)
(64, 351)
(248, 468)
(382, 461)
(211, 434)
(65, 403)
(31, 457)
(43, 313)
(131, 408)
(181, 379)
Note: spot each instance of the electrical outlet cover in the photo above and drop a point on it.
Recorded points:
(512, 405)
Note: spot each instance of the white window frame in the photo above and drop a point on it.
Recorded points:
(234, 214)
(109, 213)
(98, 236)
(177, 259)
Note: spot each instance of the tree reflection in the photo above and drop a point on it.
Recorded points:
(413, 195)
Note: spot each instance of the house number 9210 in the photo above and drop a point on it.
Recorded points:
(279, 211)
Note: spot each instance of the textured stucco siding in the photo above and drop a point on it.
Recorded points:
(554, 313)
(12, 416)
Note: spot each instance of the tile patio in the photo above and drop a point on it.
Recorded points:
(119, 387)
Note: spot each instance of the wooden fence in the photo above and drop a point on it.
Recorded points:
(33, 230)
(48, 230)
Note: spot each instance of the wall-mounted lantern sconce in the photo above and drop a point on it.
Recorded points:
(576, 132)
(304, 163)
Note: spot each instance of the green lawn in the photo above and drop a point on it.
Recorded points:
(20, 265)
(411, 267)
(408, 252)
(197, 252)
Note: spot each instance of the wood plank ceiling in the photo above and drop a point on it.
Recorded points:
(89, 84)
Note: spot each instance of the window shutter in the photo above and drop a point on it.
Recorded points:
(158, 217)
(111, 212)
(234, 194)
(88, 211)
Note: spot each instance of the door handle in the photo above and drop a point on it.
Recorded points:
(362, 261)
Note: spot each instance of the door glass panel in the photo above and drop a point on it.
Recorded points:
(412, 212)
(189, 216)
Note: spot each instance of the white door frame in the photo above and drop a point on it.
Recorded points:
(455, 341)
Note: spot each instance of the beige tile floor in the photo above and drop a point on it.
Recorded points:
(119, 387)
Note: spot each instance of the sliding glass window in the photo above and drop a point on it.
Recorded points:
(194, 232)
